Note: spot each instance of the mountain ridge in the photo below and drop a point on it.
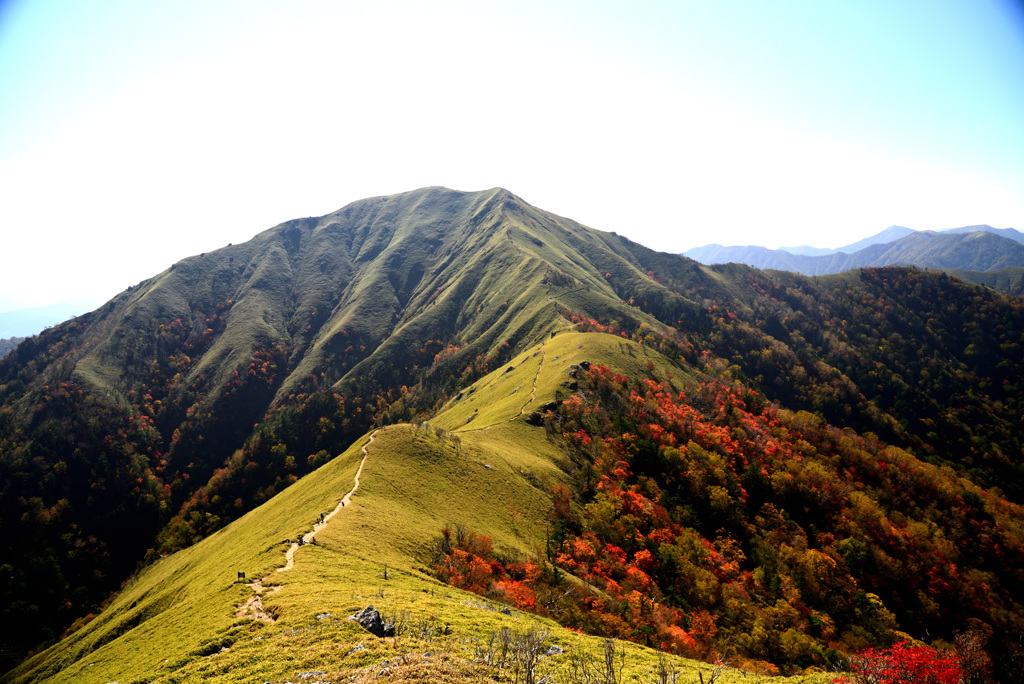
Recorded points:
(975, 248)
(204, 392)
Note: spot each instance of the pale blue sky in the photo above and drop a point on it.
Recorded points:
(133, 134)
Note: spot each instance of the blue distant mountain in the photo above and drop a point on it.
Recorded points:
(28, 322)
(967, 249)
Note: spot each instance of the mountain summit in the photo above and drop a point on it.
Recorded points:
(376, 310)
(794, 451)
(350, 297)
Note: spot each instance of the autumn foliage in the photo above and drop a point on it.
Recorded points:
(466, 560)
(904, 663)
(770, 535)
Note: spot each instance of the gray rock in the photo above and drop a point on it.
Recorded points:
(311, 673)
(554, 651)
(370, 620)
(357, 649)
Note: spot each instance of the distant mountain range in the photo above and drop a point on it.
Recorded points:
(969, 251)
(26, 322)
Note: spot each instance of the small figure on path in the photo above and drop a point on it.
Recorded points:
(321, 518)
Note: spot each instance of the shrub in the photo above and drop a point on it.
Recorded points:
(904, 663)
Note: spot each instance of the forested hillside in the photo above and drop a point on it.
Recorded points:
(203, 392)
(7, 344)
(779, 536)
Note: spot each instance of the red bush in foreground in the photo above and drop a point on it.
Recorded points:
(904, 663)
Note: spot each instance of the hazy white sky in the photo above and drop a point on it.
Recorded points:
(133, 134)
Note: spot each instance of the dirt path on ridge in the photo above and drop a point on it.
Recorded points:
(533, 389)
(533, 396)
(253, 606)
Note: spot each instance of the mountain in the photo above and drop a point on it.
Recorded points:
(201, 414)
(120, 424)
(890, 234)
(25, 322)
(483, 464)
(803, 250)
(762, 257)
(978, 250)
(1008, 233)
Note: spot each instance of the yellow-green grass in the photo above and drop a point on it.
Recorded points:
(176, 621)
(502, 395)
(188, 597)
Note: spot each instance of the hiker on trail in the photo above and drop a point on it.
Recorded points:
(321, 518)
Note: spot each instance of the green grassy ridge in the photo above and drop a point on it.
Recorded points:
(392, 273)
(500, 396)
(202, 582)
(475, 270)
(171, 622)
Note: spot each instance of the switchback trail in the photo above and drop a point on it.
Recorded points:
(253, 606)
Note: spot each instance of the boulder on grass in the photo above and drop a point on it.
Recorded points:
(370, 620)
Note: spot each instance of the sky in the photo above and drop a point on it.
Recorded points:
(134, 134)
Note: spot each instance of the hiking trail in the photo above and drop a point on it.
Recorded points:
(533, 390)
(533, 395)
(253, 606)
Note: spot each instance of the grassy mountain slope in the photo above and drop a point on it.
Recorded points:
(200, 394)
(176, 620)
(426, 289)
(799, 528)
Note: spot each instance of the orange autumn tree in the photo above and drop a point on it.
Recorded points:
(768, 534)
(466, 560)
